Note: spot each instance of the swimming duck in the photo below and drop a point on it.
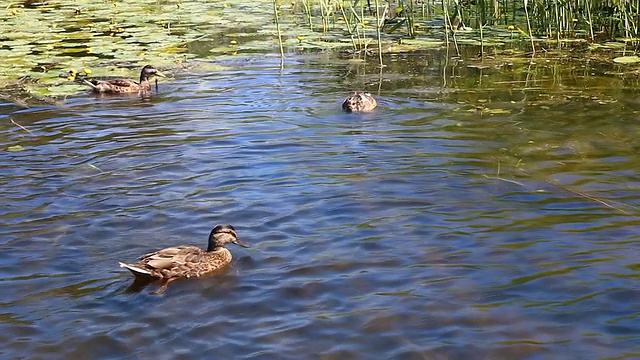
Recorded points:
(185, 260)
(124, 86)
(359, 102)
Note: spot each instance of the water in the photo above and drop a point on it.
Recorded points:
(482, 218)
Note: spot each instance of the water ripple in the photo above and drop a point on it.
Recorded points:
(417, 231)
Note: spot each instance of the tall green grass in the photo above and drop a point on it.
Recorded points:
(547, 20)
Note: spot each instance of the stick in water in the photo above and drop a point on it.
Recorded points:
(20, 126)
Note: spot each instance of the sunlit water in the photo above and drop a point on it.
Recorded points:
(429, 229)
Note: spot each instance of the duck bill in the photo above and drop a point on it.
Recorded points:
(158, 73)
(241, 243)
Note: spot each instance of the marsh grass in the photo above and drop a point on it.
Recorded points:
(277, 17)
(543, 20)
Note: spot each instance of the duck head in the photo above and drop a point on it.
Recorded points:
(222, 235)
(148, 72)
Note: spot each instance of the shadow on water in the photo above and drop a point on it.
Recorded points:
(138, 285)
(478, 213)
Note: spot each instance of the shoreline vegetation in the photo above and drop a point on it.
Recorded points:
(43, 40)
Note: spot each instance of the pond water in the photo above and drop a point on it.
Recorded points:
(478, 213)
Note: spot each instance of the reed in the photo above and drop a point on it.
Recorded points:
(379, 25)
(547, 20)
(277, 18)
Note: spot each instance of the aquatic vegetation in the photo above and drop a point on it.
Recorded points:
(116, 37)
(109, 36)
(626, 59)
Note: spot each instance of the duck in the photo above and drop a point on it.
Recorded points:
(187, 261)
(359, 102)
(122, 85)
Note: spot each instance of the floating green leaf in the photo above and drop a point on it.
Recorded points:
(15, 148)
(627, 59)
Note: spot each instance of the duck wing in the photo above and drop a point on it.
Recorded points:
(177, 261)
(121, 83)
(115, 85)
(173, 257)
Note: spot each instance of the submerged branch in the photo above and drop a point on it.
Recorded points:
(606, 203)
(593, 198)
(20, 126)
(503, 179)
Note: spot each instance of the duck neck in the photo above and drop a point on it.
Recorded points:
(213, 247)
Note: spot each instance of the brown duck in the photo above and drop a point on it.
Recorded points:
(359, 102)
(187, 261)
(124, 86)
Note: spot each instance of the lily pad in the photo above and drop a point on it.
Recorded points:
(627, 59)
(15, 148)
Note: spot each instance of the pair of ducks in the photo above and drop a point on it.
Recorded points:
(358, 102)
(183, 261)
(186, 261)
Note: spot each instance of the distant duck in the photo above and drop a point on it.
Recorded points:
(110, 85)
(187, 261)
(359, 102)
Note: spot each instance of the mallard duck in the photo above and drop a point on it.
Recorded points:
(124, 86)
(359, 102)
(187, 261)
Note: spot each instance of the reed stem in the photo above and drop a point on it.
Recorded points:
(275, 13)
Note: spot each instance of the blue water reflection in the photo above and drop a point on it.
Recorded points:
(427, 229)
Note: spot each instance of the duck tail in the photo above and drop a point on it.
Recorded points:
(136, 270)
(87, 82)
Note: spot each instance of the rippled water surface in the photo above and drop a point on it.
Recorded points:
(458, 221)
